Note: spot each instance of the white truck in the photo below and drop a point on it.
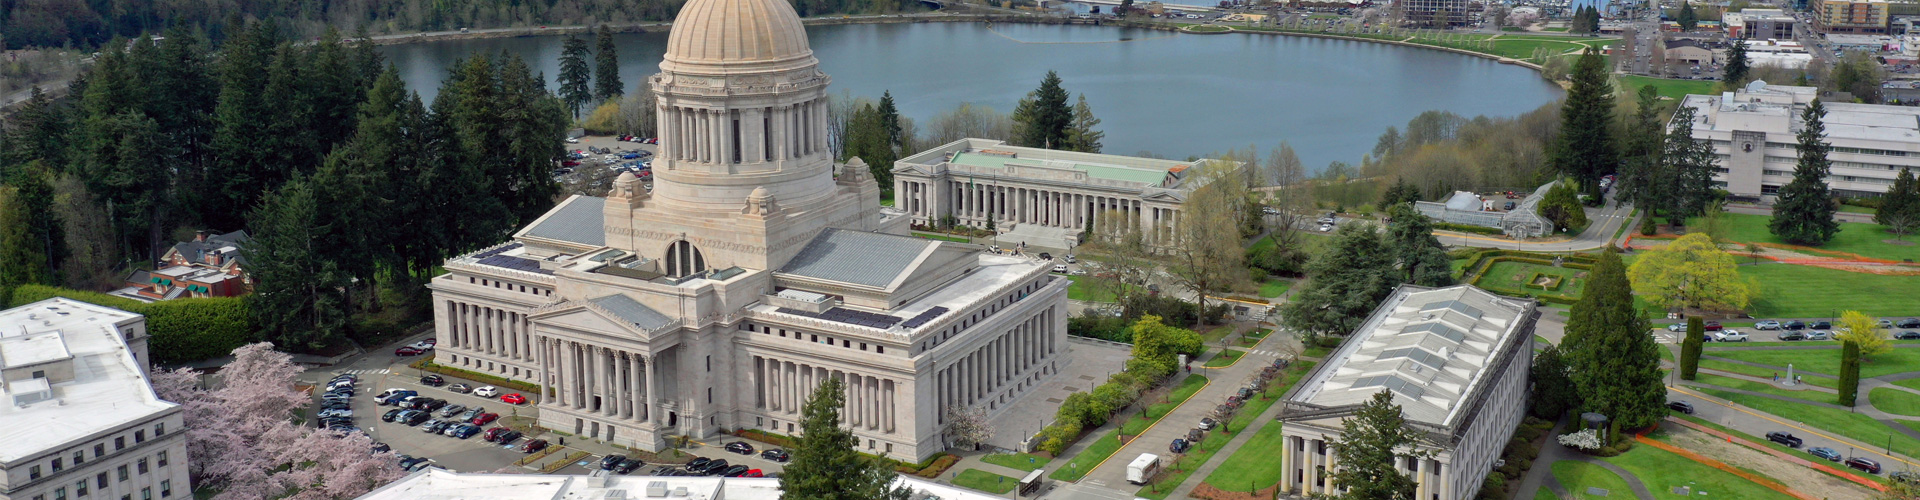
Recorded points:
(1143, 468)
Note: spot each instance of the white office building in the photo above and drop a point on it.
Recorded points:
(1753, 132)
(79, 419)
(1456, 362)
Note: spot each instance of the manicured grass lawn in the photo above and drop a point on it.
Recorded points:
(1204, 451)
(1790, 291)
(1858, 210)
(1673, 88)
(1541, 340)
(1274, 287)
(1895, 401)
(1748, 385)
(1085, 290)
(1912, 383)
(1544, 493)
(1255, 465)
(1105, 444)
(1760, 372)
(1511, 278)
(1316, 352)
(1227, 357)
(985, 481)
(1578, 476)
(1660, 471)
(1854, 237)
(1022, 461)
(1854, 425)
(941, 237)
(1827, 361)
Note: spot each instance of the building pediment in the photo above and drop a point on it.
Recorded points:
(592, 317)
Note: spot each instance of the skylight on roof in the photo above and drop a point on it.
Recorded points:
(1437, 329)
(1455, 306)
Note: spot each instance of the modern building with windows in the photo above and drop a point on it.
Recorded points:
(1752, 131)
(1850, 16)
(750, 273)
(1433, 13)
(1761, 25)
(1455, 360)
(78, 418)
(1045, 197)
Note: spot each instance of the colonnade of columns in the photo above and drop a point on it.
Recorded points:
(751, 135)
(601, 380)
(783, 386)
(491, 331)
(980, 376)
(1309, 463)
(972, 202)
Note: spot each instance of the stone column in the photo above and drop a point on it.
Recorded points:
(889, 408)
(540, 363)
(1287, 464)
(653, 390)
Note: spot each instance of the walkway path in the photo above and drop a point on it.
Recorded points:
(1541, 475)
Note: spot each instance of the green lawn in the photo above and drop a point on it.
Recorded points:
(1255, 465)
(1761, 372)
(1790, 291)
(985, 481)
(1106, 444)
(1274, 287)
(1661, 471)
(941, 237)
(1667, 355)
(1854, 425)
(1316, 352)
(1227, 357)
(1912, 383)
(1184, 467)
(1858, 209)
(1675, 89)
(1895, 401)
(1854, 237)
(1827, 361)
(1748, 385)
(1511, 277)
(1084, 289)
(1578, 476)
(1022, 461)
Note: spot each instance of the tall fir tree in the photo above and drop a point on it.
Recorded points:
(1083, 134)
(1615, 365)
(867, 140)
(33, 184)
(23, 260)
(1803, 212)
(1900, 207)
(1418, 256)
(1640, 170)
(299, 298)
(1553, 392)
(1044, 115)
(1849, 374)
(825, 465)
(1348, 282)
(1584, 149)
(1690, 347)
(1688, 19)
(889, 117)
(238, 173)
(606, 66)
(1686, 177)
(1370, 450)
(1734, 73)
(574, 75)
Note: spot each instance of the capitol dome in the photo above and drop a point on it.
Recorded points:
(720, 32)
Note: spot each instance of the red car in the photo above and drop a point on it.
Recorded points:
(485, 418)
(514, 399)
(754, 473)
(409, 351)
(533, 446)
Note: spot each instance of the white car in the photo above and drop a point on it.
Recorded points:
(1326, 228)
(1060, 268)
(487, 392)
(1729, 336)
(422, 345)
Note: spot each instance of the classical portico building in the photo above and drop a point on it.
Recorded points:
(750, 273)
(1042, 196)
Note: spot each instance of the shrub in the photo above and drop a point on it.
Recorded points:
(768, 437)
(426, 364)
(1449, 226)
(180, 330)
(939, 466)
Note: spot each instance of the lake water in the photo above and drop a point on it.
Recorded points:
(1175, 95)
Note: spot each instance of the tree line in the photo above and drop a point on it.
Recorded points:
(344, 179)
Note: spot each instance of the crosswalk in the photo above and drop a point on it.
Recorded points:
(368, 371)
(1665, 338)
(1266, 352)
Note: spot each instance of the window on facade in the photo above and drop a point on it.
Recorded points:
(119, 443)
(162, 459)
(60, 493)
(99, 450)
(166, 488)
(39, 374)
(80, 488)
(101, 480)
(146, 493)
(33, 472)
(79, 457)
(160, 429)
(880, 349)
(122, 472)
(863, 346)
(56, 465)
(709, 363)
(709, 395)
(140, 436)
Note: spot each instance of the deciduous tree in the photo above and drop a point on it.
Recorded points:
(1864, 332)
(1370, 450)
(1803, 214)
(967, 426)
(825, 465)
(1206, 254)
(1553, 392)
(1691, 272)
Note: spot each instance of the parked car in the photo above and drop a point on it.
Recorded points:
(1711, 326)
(1884, 324)
(468, 415)
(493, 434)
(740, 447)
(467, 431)
(1819, 335)
(1206, 424)
(627, 466)
(390, 414)
(1864, 464)
(460, 388)
(609, 461)
(513, 399)
(1821, 325)
(1824, 452)
(484, 418)
(1680, 406)
(1908, 323)
(1907, 335)
(1795, 325)
(1178, 446)
(735, 471)
(450, 410)
(408, 351)
(1784, 438)
(408, 463)
(715, 467)
(1677, 327)
(1790, 335)
(415, 418)
(433, 426)
(533, 446)
(1729, 336)
(759, 473)
(487, 391)
(507, 437)
(698, 463)
(776, 454)
(432, 380)
(1767, 325)
(341, 412)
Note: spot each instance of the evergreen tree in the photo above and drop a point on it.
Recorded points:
(1553, 392)
(182, 73)
(889, 117)
(1803, 213)
(1348, 281)
(1584, 149)
(37, 130)
(1400, 192)
(606, 67)
(1369, 449)
(23, 260)
(1044, 115)
(574, 74)
(1418, 256)
(1082, 135)
(33, 185)
(1690, 348)
(1614, 364)
(299, 299)
(1734, 73)
(1900, 207)
(1686, 179)
(1639, 180)
(238, 172)
(335, 86)
(867, 140)
(825, 465)
(1687, 18)
(1849, 373)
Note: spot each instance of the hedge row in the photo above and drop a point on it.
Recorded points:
(425, 364)
(179, 330)
(1485, 258)
(932, 467)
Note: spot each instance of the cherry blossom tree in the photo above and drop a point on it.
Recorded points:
(969, 426)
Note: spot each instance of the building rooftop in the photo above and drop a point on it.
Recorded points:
(577, 220)
(859, 257)
(1776, 108)
(632, 312)
(992, 157)
(108, 388)
(435, 483)
(1430, 346)
(1095, 170)
(992, 277)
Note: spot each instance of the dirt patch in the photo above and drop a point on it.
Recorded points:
(1897, 242)
(1795, 476)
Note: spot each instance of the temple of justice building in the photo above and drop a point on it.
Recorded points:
(1041, 196)
(1456, 360)
(751, 272)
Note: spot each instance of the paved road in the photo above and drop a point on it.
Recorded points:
(1607, 221)
(1758, 424)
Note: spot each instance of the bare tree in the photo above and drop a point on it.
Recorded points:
(840, 110)
(637, 114)
(1128, 262)
(1205, 250)
(966, 121)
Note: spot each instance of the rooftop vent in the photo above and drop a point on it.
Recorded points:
(680, 491)
(615, 495)
(656, 489)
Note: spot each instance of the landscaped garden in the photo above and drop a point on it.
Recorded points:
(1103, 446)
(1022, 461)
(985, 481)
(1661, 471)
(1185, 465)
(1578, 477)
(1895, 401)
(1526, 278)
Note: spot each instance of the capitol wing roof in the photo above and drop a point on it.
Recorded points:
(859, 257)
(635, 313)
(579, 220)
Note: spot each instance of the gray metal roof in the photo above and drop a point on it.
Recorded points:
(632, 312)
(858, 257)
(578, 220)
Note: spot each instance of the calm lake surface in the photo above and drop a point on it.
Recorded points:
(1175, 95)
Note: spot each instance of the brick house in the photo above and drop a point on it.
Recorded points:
(208, 266)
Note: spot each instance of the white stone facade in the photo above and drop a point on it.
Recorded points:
(1753, 135)
(749, 274)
